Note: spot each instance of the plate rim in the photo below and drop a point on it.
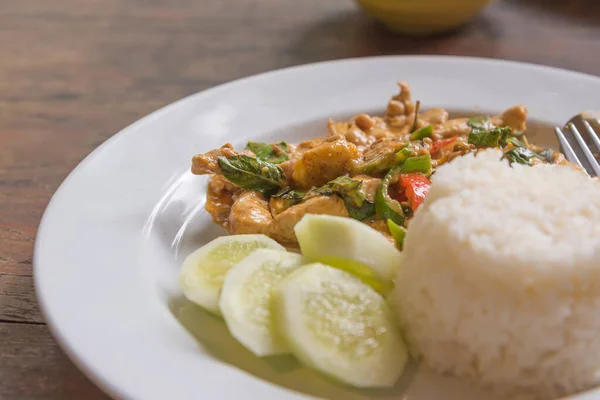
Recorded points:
(48, 313)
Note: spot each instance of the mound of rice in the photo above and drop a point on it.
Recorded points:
(501, 278)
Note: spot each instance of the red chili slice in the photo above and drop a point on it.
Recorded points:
(439, 145)
(415, 188)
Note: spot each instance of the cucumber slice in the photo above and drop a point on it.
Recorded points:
(349, 245)
(339, 325)
(202, 272)
(246, 296)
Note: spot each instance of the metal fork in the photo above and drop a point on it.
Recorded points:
(574, 146)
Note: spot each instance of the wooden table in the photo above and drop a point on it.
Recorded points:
(74, 72)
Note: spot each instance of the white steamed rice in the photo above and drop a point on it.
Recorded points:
(501, 279)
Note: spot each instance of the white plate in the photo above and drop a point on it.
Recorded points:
(111, 241)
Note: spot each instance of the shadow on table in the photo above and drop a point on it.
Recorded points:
(354, 34)
(216, 341)
(587, 11)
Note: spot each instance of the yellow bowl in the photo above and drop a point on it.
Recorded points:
(422, 17)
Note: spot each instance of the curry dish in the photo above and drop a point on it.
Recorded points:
(370, 168)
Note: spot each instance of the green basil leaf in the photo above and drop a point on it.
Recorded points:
(283, 146)
(520, 155)
(275, 154)
(252, 174)
(514, 141)
(263, 151)
(366, 210)
(480, 123)
(353, 194)
(485, 134)
(488, 138)
(346, 187)
(290, 196)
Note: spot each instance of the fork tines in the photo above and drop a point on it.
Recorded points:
(576, 149)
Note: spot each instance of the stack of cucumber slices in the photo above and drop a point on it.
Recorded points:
(325, 306)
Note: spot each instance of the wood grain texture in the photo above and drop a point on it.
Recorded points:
(74, 72)
(18, 300)
(33, 367)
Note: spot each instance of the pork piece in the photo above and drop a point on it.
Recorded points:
(378, 157)
(282, 227)
(219, 199)
(382, 146)
(203, 164)
(306, 145)
(288, 168)
(294, 152)
(374, 127)
(277, 205)
(452, 127)
(398, 124)
(325, 162)
(458, 148)
(401, 104)
(351, 132)
(249, 214)
(370, 185)
(434, 116)
(383, 129)
(363, 130)
(515, 118)
(401, 125)
(559, 159)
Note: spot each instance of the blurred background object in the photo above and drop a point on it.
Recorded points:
(422, 17)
